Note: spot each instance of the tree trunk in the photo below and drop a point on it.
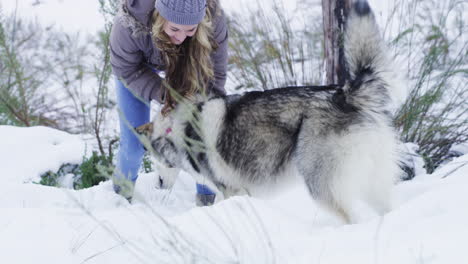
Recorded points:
(334, 17)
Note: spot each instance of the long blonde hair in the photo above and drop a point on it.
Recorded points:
(189, 68)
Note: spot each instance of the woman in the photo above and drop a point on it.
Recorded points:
(184, 40)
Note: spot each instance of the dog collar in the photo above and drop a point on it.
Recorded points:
(168, 130)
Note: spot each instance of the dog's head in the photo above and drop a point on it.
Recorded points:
(166, 137)
(161, 140)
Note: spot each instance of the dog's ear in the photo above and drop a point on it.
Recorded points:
(145, 130)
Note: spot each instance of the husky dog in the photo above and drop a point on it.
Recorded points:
(340, 141)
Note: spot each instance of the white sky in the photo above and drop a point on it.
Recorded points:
(83, 15)
(68, 15)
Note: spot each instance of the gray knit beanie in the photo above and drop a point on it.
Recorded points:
(182, 12)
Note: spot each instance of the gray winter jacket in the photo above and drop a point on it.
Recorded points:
(134, 56)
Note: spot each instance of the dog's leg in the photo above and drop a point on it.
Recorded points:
(379, 199)
(383, 169)
(328, 199)
(167, 176)
(231, 191)
(317, 175)
(362, 178)
(322, 172)
(333, 207)
(381, 183)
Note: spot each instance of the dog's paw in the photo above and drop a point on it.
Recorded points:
(229, 192)
(166, 178)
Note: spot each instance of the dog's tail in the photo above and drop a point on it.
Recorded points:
(372, 82)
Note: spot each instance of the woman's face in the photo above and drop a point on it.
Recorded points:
(177, 33)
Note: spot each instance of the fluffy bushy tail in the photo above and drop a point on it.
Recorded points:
(373, 82)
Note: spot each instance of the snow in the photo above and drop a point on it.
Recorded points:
(60, 147)
(41, 224)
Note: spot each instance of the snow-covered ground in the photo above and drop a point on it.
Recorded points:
(40, 224)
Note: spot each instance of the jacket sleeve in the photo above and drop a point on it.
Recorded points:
(128, 64)
(220, 55)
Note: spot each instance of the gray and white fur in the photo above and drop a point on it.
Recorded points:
(341, 141)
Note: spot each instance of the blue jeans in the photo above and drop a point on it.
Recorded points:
(134, 112)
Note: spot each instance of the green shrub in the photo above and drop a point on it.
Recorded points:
(93, 170)
(147, 163)
(51, 178)
(267, 51)
(435, 113)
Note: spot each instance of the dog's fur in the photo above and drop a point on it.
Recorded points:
(340, 140)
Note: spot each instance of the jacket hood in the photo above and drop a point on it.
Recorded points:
(136, 15)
